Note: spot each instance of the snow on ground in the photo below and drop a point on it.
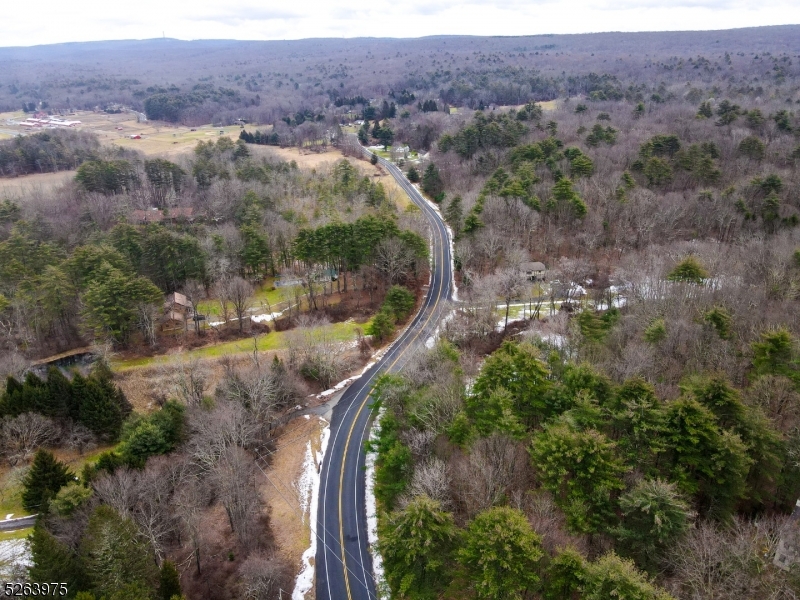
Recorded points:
(15, 556)
(308, 487)
(372, 512)
(267, 317)
(431, 341)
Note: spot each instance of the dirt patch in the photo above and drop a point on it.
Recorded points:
(284, 496)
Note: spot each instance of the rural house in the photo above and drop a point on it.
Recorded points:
(533, 271)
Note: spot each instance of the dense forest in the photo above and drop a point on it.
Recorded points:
(265, 82)
(625, 425)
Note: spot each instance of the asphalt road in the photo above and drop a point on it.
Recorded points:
(343, 561)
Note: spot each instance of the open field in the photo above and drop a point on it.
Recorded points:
(11, 478)
(157, 137)
(32, 184)
(306, 159)
(275, 340)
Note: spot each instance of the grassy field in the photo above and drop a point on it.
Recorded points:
(275, 340)
(266, 296)
(19, 186)
(19, 534)
(11, 479)
(157, 137)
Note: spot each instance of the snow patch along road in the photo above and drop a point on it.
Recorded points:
(308, 490)
(372, 511)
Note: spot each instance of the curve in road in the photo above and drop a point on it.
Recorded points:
(343, 560)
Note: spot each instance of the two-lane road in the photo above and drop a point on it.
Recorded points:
(343, 561)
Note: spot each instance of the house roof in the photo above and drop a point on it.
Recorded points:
(532, 266)
(178, 299)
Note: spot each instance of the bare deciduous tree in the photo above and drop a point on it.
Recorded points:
(234, 479)
(23, 434)
(262, 577)
(194, 292)
(394, 259)
(509, 285)
(189, 378)
(214, 431)
(314, 351)
(240, 295)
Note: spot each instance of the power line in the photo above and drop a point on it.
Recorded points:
(314, 530)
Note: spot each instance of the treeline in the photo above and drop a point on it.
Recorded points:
(47, 152)
(174, 106)
(544, 462)
(264, 139)
(94, 401)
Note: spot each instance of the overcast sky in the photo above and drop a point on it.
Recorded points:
(53, 21)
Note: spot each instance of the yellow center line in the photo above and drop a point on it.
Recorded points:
(361, 408)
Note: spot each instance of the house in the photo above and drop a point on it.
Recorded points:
(178, 303)
(533, 271)
(177, 312)
(399, 152)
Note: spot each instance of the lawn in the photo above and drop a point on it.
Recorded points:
(266, 296)
(11, 479)
(274, 340)
(19, 534)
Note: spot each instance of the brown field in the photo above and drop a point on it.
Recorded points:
(307, 159)
(157, 137)
(40, 182)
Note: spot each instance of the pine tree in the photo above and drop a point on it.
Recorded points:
(453, 215)
(117, 559)
(42, 482)
(416, 543)
(99, 411)
(501, 553)
(52, 561)
(59, 391)
(432, 182)
(169, 581)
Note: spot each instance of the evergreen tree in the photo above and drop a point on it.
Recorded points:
(582, 471)
(169, 581)
(413, 174)
(53, 561)
(46, 476)
(614, 577)
(416, 543)
(689, 270)
(100, 408)
(517, 369)
(59, 391)
(454, 214)
(565, 575)
(382, 325)
(432, 182)
(117, 560)
(501, 554)
(654, 516)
